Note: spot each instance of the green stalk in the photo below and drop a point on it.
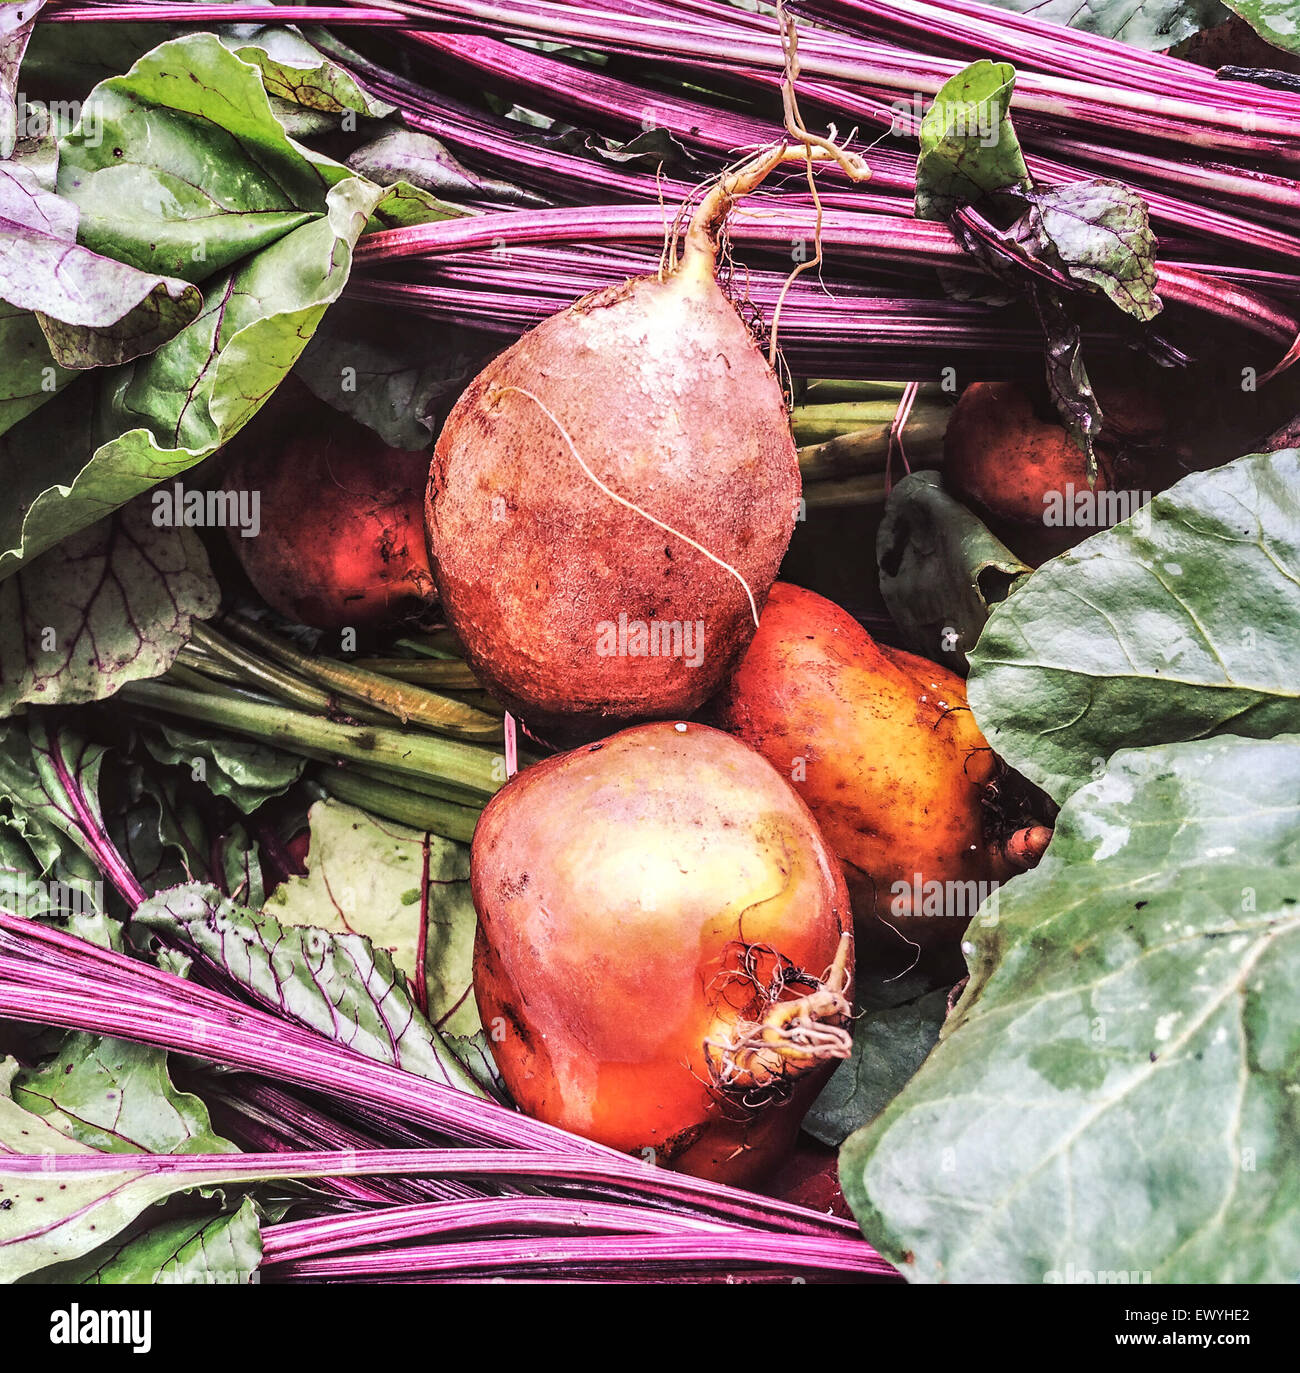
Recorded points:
(480, 700)
(449, 673)
(408, 703)
(274, 680)
(210, 674)
(200, 680)
(818, 423)
(393, 802)
(867, 450)
(198, 656)
(866, 490)
(434, 643)
(480, 772)
(433, 787)
(203, 676)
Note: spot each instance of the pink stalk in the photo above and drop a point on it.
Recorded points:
(512, 289)
(862, 63)
(662, 1244)
(723, 39)
(593, 94)
(854, 59)
(962, 28)
(323, 1235)
(1255, 278)
(99, 11)
(1227, 183)
(585, 91)
(894, 348)
(580, 92)
(724, 1257)
(741, 1209)
(897, 239)
(175, 1012)
(266, 1119)
(102, 849)
(848, 337)
(1173, 211)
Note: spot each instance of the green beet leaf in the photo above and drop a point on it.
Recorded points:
(181, 167)
(294, 71)
(161, 415)
(1101, 233)
(1276, 21)
(16, 21)
(1043, 243)
(112, 605)
(1156, 25)
(29, 375)
(95, 311)
(116, 1097)
(968, 148)
(941, 570)
(1183, 621)
(224, 1249)
(377, 878)
(340, 985)
(391, 373)
(1113, 1098)
(49, 781)
(248, 773)
(889, 1044)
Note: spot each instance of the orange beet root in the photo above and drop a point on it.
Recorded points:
(626, 471)
(1002, 461)
(664, 948)
(883, 748)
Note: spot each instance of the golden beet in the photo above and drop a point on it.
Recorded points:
(610, 499)
(664, 949)
(883, 748)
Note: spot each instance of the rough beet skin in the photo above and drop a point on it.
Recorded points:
(882, 746)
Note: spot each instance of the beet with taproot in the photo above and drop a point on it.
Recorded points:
(610, 499)
(664, 948)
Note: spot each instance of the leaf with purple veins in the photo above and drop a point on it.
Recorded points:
(112, 605)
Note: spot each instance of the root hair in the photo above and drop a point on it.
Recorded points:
(623, 500)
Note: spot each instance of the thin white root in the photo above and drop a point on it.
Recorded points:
(814, 146)
(631, 505)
